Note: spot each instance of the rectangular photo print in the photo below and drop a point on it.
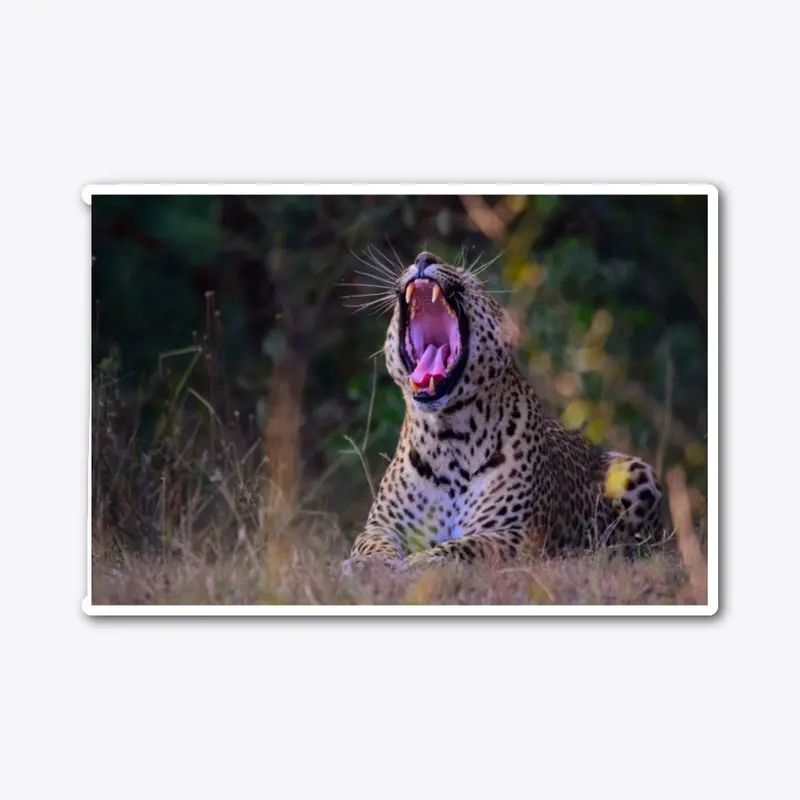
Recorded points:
(403, 400)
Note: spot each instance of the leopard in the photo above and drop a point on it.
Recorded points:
(481, 472)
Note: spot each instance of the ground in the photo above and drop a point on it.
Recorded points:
(305, 578)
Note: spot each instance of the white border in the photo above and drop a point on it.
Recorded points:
(404, 188)
(710, 191)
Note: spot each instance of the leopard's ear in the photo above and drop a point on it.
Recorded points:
(511, 329)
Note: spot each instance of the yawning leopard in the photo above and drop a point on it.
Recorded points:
(480, 471)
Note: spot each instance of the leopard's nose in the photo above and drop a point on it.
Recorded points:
(423, 261)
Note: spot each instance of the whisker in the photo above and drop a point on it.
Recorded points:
(364, 285)
(381, 269)
(397, 257)
(375, 312)
(380, 310)
(375, 252)
(380, 301)
(378, 278)
(488, 264)
(471, 267)
(378, 272)
(382, 260)
(360, 309)
(378, 255)
(373, 265)
(369, 294)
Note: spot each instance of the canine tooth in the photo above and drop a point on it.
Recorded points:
(432, 385)
(414, 385)
(436, 292)
(409, 292)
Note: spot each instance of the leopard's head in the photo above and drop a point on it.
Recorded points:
(448, 337)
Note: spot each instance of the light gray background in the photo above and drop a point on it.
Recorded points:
(344, 91)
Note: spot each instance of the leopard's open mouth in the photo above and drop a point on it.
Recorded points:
(433, 342)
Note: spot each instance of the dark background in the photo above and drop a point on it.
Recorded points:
(225, 355)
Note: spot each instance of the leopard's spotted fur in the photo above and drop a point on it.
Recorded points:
(482, 472)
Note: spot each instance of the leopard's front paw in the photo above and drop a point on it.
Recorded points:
(421, 559)
(354, 564)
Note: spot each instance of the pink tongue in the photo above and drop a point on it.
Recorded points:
(432, 364)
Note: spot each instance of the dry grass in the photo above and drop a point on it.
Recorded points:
(243, 581)
(680, 505)
(224, 548)
(309, 575)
